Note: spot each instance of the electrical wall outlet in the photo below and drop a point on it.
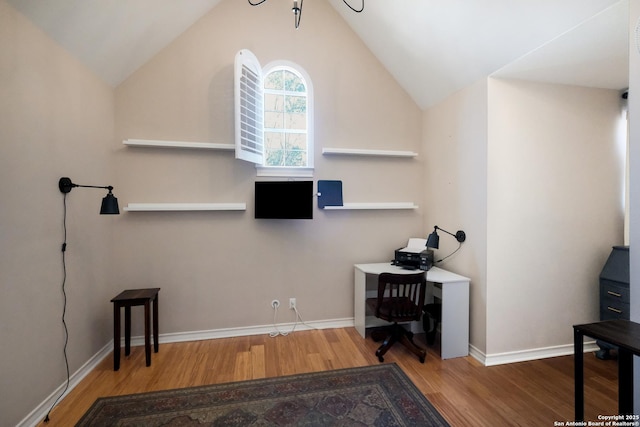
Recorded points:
(292, 303)
(275, 304)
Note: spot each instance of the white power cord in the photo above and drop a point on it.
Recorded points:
(284, 333)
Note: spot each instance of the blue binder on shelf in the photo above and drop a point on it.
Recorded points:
(329, 193)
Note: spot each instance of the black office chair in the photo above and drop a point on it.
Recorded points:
(400, 299)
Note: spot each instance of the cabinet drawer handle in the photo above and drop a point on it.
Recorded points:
(615, 310)
(615, 294)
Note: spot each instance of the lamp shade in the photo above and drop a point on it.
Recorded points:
(433, 241)
(109, 205)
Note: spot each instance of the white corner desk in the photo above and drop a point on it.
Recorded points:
(453, 291)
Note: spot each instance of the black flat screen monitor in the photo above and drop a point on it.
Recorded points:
(284, 199)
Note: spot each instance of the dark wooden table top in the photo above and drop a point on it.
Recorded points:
(136, 294)
(622, 333)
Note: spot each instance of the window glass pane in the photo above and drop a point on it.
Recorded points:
(296, 121)
(285, 149)
(273, 102)
(274, 80)
(273, 120)
(273, 112)
(296, 142)
(296, 109)
(274, 148)
(295, 158)
(296, 104)
(274, 158)
(285, 120)
(292, 82)
(296, 149)
(274, 140)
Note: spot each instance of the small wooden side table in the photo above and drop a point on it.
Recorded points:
(127, 299)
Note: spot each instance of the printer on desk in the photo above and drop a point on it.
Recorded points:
(414, 255)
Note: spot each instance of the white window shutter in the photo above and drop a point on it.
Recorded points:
(249, 115)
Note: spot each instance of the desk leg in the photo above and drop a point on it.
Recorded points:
(127, 330)
(155, 325)
(147, 338)
(625, 382)
(578, 372)
(455, 320)
(360, 301)
(116, 336)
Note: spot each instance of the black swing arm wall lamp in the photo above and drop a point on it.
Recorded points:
(109, 202)
(109, 207)
(433, 241)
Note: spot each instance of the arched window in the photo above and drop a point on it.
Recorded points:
(274, 116)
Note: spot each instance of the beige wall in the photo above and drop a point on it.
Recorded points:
(56, 119)
(455, 147)
(222, 269)
(555, 191)
(533, 173)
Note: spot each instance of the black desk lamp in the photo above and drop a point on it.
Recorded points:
(433, 241)
(109, 202)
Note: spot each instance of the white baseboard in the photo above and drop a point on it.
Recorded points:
(38, 414)
(526, 355)
(247, 331)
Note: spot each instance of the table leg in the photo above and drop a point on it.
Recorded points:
(625, 382)
(578, 370)
(127, 330)
(360, 302)
(147, 338)
(116, 336)
(155, 325)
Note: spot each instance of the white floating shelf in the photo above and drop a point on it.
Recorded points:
(177, 144)
(364, 152)
(158, 207)
(373, 206)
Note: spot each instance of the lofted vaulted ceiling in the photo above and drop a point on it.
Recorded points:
(432, 47)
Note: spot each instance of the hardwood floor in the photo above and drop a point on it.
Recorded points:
(466, 393)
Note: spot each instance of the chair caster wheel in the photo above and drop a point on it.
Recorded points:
(422, 360)
(380, 359)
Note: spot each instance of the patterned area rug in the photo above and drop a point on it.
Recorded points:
(380, 395)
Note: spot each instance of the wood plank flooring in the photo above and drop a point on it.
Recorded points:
(466, 393)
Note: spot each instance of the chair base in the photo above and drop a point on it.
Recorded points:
(430, 320)
(397, 334)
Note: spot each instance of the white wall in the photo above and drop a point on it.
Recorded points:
(554, 209)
